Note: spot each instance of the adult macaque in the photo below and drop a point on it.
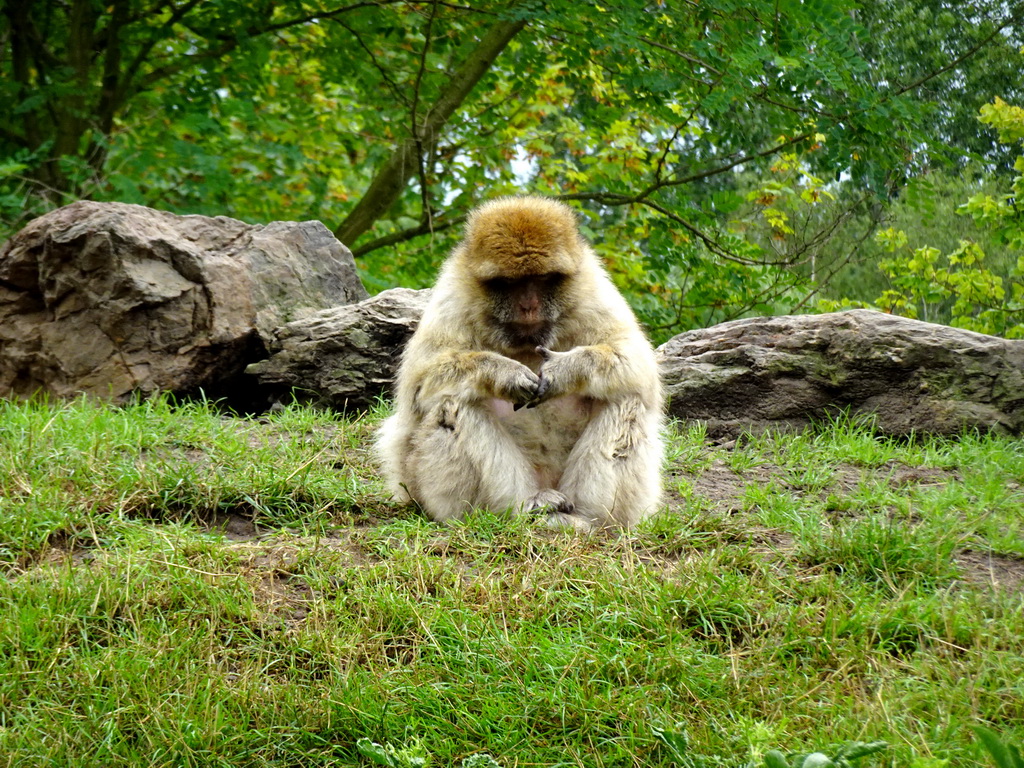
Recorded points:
(528, 385)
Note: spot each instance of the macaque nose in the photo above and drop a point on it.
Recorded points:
(529, 304)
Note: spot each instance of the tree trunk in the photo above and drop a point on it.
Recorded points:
(390, 180)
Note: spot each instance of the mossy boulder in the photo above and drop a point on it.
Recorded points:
(784, 372)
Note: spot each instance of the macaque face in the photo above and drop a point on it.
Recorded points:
(526, 308)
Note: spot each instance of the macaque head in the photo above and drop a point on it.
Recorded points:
(522, 254)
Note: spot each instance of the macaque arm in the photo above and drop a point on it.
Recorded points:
(475, 375)
(600, 371)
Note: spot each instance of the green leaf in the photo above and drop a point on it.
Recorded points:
(11, 168)
(386, 755)
(858, 749)
(676, 741)
(1004, 755)
(816, 760)
(482, 760)
(775, 759)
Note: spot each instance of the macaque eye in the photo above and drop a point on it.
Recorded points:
(552, 280)
(545, 283)
(499, 285)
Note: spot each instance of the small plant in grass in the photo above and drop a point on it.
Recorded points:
(744, 459)
(685, 446)
(845, 757)
(480, 761)
(678, 744)
(412, 756)
(810, 479)
(883, 551)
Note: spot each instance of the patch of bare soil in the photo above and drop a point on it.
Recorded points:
(721, 489)
(902, 476)
(995, 571)
(724, 487)
(233, 526)
(272, 561)
(285, 596)
(57, 556)
(282, 550)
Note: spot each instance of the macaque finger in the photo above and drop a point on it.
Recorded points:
(542, 390)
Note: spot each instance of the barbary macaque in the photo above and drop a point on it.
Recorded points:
(528, 386)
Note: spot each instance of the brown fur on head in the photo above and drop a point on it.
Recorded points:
(517, 237)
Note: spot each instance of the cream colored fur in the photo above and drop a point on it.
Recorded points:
(587, 458)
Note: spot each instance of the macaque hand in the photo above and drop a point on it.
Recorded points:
(556, 375)
(517, 384)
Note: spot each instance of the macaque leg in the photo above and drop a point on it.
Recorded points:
(465, 459)
(613, 472)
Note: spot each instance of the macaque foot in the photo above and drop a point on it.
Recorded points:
(559, 513)
(560, 521)
(549, 502)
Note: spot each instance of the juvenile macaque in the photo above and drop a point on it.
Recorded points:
(528, 385)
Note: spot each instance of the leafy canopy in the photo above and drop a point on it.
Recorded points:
(701, 141)
(963, 287)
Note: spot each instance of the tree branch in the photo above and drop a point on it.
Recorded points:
(252, 31)
(393, 87)
(839, 263)
(228, 44)
(1014, 16)
(108, 104)
(143, 53)
(17, 15)
(723, 168)
(427, 210)
(391, 178)
(614, 199)
(424, 228)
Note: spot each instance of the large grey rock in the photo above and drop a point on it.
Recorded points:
(782, 372)
(344, 357)
(111, 299)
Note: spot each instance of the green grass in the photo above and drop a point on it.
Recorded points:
(803, 593)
